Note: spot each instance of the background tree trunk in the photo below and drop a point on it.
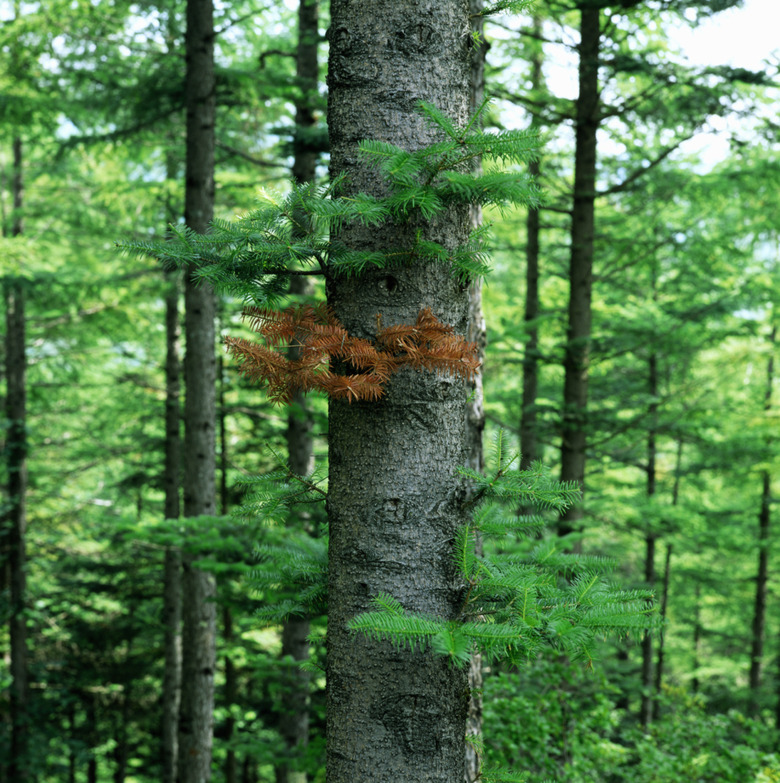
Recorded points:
(199, 588)
(477, 333)
(762, 575)
(394, 498)
(16, 516)
(646, 708)
(577, 352)
(294, 718)
(529, 446)
(697, 634)
(172, 607)
(659, 669)
(659, 665)
(231, 675)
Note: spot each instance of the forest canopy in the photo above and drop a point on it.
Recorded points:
(517, 294)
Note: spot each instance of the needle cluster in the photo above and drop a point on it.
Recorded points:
(323, 344)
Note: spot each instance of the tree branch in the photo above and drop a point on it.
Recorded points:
(247, 156)
(634, 176)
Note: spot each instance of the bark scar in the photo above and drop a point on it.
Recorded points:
(411, 720)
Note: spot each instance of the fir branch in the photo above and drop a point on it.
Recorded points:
(319, 337)
(294, 233)
(390, 621)
(513, 607)
(501, 775)
(451, 642)
(505, 6)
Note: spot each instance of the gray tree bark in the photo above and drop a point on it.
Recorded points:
(394, 501)
(575, 392)
(199, 587)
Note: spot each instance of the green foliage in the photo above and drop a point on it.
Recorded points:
(552, 719)
(279, 495)
(691, 743)
(506, 6)
(292, 576)
(296, 232)
(515, 607)
(557, 721)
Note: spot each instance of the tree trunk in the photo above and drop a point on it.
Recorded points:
(172, 613)
(16, 515)
(231, 676)
(667, 569)
(395, 499)
(476, 410)
(307, 74)
(294, 717)
(575, 391)
(199, 588)
(171, 696)
(121, 749)
(231, 694)
(93, 738)
(529, 447)
(659, 666)
(762, 577)
(476, 461)
(697, 631)
(646, 709)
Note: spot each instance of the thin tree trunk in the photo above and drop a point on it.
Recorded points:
(697, 631)
(16, 515)
(577, 354)
(529, 446)
(71, 749)
(231, 694)
(121, 750)
(394, 498)
(171, 696)
(762, 577)
(777, 703)
(92, 734)
(667, 572)
(659, 666)
(476, 411)
(199, 587)
(307, 74)
(294, 717)
(646, 709)
(231, 677)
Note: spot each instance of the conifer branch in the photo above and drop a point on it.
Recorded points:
(512, 608)
(320, 338)
(296, 233)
